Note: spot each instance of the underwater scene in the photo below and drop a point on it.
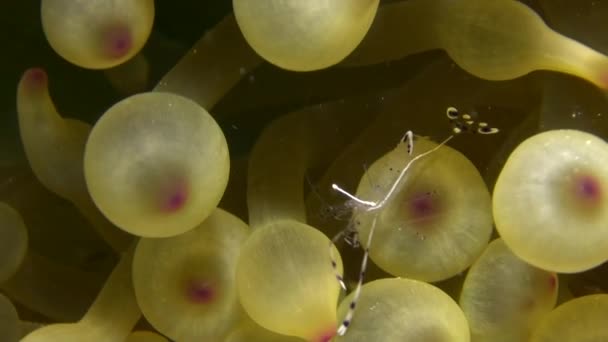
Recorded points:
(304, 170)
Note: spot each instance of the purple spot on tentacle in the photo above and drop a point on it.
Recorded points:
(326, 336)
(117, 41)
(174, 196)
(35, 78)
(176, 199)
(588, 189)
(603, 80)
(552, 282)
(422, 206)
(200, 292)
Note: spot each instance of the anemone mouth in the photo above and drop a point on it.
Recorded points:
(116, 41)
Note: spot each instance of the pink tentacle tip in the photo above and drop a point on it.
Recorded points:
(117, 41)
(176, 200)
(423, 206)
(553, 282)
(35, 78)
(603, 80)
(326, 336)
(588, 189)
(200, 292)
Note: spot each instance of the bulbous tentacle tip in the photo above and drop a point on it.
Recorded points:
(34, 79)
(117, 41)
